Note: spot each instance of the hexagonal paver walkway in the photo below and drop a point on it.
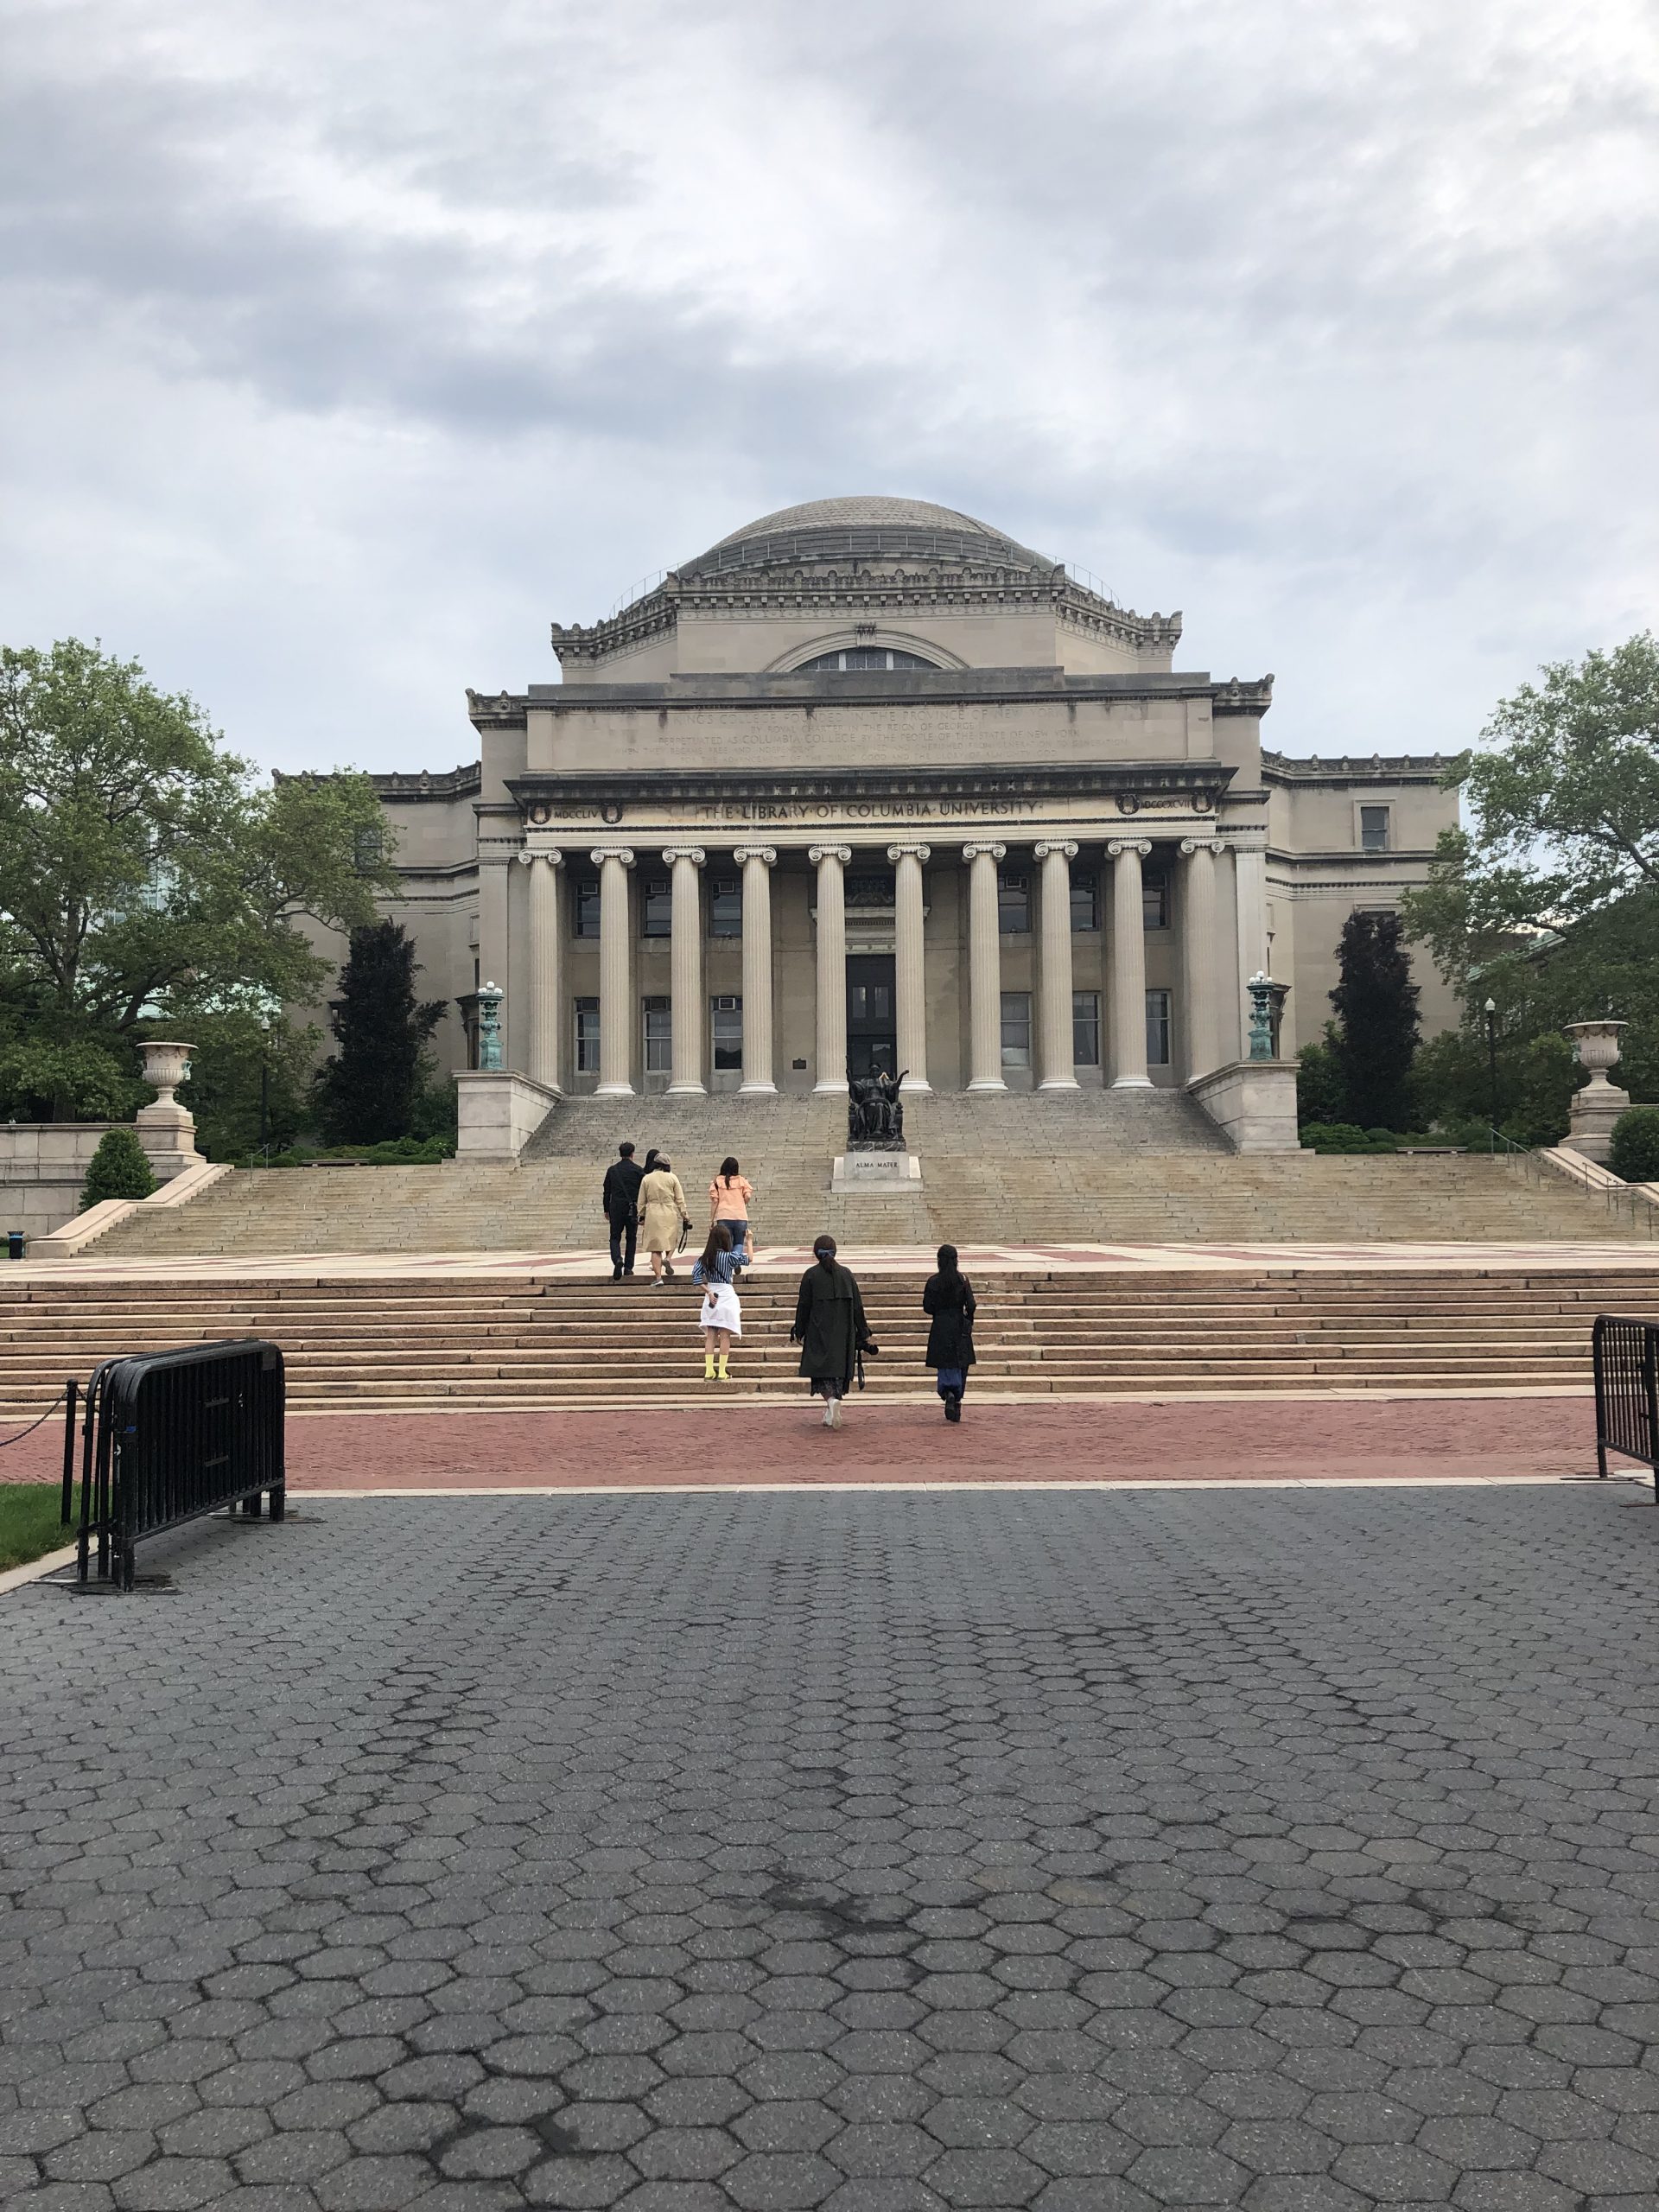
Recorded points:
(1286, 1850)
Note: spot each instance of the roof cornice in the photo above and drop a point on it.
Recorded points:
(821, 693)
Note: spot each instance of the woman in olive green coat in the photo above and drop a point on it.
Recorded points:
(663, 1215)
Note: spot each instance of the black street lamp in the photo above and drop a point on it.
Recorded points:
(1491, 1056)
(264, 1083)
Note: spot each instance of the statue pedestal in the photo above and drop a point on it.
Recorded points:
(1595, 1109)
(875, 1174)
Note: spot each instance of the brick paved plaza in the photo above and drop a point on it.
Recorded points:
(1283, 1849)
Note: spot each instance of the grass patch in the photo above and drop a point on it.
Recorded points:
(29, 1523)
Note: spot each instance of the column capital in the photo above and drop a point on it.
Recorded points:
(994, 852)
(818, 853)
(550, 853)
(766, 854)
(623, 852)
(923, 853)
(1213, 846)
(1117, 845)
(1059, 845)
(695, 854)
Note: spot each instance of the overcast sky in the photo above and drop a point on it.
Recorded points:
(347, 344)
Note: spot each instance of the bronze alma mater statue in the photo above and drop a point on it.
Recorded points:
(876, 1113)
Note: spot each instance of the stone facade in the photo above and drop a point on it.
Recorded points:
(869, 782)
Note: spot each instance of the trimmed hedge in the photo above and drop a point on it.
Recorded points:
(118, 1169)
(394, 1152)
(1635, 1150)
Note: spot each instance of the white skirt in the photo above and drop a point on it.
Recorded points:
(719, 1310)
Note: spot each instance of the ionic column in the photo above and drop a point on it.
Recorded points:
(756, 861)
(984, 970)
(545, 998)
(1129, 966)
(1054, 1063)
(616, 972)
(1199, 956)
(685, 968)
(831, 1040)
(910, 977)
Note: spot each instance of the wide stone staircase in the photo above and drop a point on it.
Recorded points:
(1138, 1168)
(476, 1344)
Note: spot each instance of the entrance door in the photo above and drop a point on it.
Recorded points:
(872, 1029)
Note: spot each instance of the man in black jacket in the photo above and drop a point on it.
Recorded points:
(620, 1199)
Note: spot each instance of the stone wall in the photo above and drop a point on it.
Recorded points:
(43, 1167)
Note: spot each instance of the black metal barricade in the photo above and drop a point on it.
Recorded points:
(169, 1435)
(1627, 1391)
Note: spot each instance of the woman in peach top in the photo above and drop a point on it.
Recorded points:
(728, 1201)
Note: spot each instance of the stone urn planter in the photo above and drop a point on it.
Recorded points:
(166, 1129)
(1598, 1105)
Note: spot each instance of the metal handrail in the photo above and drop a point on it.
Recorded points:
(1616, 1196)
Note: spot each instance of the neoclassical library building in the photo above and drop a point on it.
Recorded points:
(869, 785)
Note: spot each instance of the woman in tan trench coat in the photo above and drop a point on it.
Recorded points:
(663, 1215)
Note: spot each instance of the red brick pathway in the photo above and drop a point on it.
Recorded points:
(1217, 1442)
(1259, 1440)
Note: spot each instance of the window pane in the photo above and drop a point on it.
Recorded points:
(860, 656)
(726, 906)
(1154, 902)
(1157, 1029)
(588, 1036)
(659, 1030)
(1016, 1029)
(1013, 902)
(656, 905)
(1085, 900)
(1374, 828)
(727, 1025)
(1085, 1029)
(587, 898)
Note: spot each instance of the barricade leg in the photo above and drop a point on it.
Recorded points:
(279, 1503)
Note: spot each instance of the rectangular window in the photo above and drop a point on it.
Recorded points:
(656, 907)
(585, 891)
(1157, 1029)
(1085, 901)
(1154, 902)
(1016, 1029)
(659, 1037)
(587, 1036)
(726, 906)
(1085, 1029)
(1374, 828)
(727, 1031)
(1013, 901)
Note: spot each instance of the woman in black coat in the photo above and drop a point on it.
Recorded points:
(829, 1328)
(949, 1297)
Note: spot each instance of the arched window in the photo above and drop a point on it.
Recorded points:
(850, 657)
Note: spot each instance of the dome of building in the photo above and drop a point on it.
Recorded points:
(864, 524)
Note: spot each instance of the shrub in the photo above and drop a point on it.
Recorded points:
(118, 1169)
(1635, 1153)
(1345, 1136)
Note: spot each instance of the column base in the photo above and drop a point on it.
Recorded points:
(614, 1090)
(757, 1090)
(1133, 1082)
(831, 1090)
(914, 1083)
(988, 1083)
(686, 1090)
(1059, 1083)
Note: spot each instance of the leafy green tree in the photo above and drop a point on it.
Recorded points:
(1548, 901)
(118, 1169)
(371, 1088)
(1321, 1088)
(74, 1080)
(1635, 1150)
(1376, 1028)
(222, 1089)
(146, 873)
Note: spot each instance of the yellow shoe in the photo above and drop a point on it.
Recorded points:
(725, 1371)
(707, 1367)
